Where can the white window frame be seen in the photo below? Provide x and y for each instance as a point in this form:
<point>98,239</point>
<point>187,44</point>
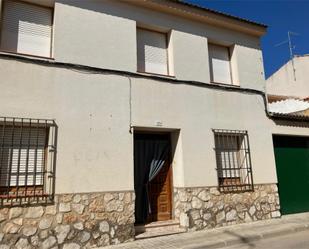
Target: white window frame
<point>166,50</point>
<point>2,6</point>
<point>211,70</point>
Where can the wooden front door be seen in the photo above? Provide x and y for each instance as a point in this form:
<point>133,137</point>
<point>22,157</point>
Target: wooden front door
<point>160,194</point>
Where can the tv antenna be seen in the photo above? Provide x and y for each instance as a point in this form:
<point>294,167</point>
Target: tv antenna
<point>291,48</point>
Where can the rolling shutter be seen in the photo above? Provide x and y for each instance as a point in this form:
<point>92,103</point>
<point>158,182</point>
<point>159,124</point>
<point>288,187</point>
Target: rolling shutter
<point>151,52</point>
<point>22,156</point>
<point>26,29</point>
<point>227,156</point>
<point>219,61</point>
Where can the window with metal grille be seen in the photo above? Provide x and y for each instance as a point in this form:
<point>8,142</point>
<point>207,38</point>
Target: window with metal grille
<point>27,160</point>
<point>233,160</point>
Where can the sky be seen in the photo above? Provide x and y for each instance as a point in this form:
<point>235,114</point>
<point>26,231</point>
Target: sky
<point>280,16</point>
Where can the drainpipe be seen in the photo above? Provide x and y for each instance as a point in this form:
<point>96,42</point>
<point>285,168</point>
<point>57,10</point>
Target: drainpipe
<point>130,105</point>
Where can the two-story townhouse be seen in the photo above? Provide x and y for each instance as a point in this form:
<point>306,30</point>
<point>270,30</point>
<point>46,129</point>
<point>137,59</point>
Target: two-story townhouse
<point>121,113</point>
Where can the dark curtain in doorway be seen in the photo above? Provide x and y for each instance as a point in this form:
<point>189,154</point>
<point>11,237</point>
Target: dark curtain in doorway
<point>150,154</point>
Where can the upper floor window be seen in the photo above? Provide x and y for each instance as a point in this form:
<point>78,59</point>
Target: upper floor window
<point>233,160</point>
<point>219,62</point>
<point>26,29</point>
<point>152,52</point>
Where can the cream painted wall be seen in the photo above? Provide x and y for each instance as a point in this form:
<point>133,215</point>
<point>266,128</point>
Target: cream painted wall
<point>95,150</point>
<point>250,67</point>
<point>196,111</point>
<point>92,112</point>
<point>282,82</point>
<point>194,64</point>
<point>89,37</point>
<point>234,65</point>
<point>95,147</point>
<point>103,34</point>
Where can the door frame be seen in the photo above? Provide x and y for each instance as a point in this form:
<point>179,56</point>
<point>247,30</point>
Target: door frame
<point>168,134</point>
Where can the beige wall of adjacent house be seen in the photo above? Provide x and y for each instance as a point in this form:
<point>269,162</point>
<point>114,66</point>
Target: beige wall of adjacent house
<point>282,82</point>
<point>103,34</point>
<point>290,128</point>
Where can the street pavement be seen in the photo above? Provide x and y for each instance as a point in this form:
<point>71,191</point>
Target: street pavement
<point>298,240</point>
<point>287,232</point>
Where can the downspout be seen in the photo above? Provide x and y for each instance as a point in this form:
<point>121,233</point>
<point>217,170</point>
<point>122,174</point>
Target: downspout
<point>130,105</point>
<point>266,102</point>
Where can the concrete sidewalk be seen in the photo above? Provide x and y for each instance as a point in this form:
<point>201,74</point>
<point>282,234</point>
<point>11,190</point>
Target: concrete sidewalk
<point>224,236</point>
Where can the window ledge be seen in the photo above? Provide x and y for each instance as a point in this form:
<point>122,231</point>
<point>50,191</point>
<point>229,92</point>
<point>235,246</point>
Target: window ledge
<point>27,56</point>
<point>156,74</point>
<point>224,84</point>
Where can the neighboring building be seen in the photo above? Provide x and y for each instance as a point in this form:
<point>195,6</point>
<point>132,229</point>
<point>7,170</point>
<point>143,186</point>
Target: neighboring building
<point>287,83</point>
<point>119,113</point>
<point>288,104</point>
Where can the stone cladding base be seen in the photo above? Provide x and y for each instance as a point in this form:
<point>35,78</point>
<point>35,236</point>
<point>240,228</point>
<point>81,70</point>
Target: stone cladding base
<point>92,220</point>
<point>74,221</point>
<point>205,207</point>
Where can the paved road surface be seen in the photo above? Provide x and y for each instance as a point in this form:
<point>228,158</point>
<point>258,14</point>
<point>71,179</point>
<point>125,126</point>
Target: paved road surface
<point>298,240</point>
<point>288,232</point>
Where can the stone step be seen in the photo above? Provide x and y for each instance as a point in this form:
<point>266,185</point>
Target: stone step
<point>168,224</point>
<point>159,228</point>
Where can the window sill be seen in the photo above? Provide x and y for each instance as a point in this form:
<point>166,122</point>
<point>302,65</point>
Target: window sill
<point>225,84</point>
<point>28,56</point>
<point>156,74</point>
<point>236,188</point>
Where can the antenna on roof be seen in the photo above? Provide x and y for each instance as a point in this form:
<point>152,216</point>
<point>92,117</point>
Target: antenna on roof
<point>291,48</point>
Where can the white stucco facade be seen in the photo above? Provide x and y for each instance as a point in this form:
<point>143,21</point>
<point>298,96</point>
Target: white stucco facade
<point>114,24</point>
<point>95,110</point>
<point>95,146</point>
<point>96,188</point>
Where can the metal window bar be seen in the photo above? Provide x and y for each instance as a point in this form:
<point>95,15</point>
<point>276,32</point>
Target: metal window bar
<point>233,160</point>
<point>35,158</point>
<point>27,161</point>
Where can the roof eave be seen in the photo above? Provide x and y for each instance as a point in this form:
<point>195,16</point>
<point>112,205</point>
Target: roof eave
<point>262,25</point>
<point>289,117</point>
<point>202,14</point>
